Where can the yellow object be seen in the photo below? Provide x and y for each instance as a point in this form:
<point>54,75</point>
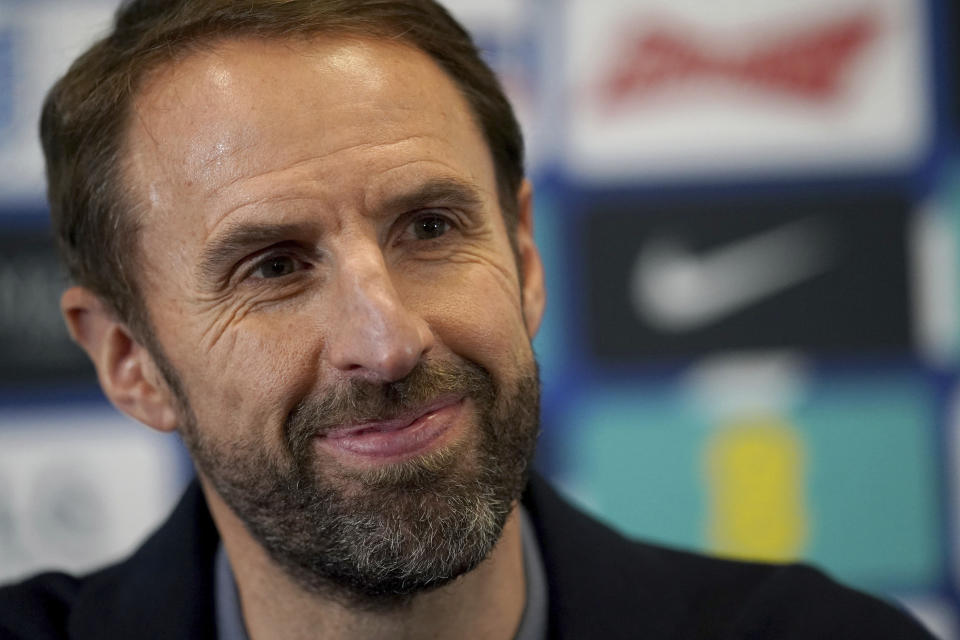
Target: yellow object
<point>756,486</point>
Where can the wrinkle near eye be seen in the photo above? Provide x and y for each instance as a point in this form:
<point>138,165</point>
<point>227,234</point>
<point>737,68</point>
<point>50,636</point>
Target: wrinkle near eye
<point>228,312</point>
<point>508,276</point>
<point>211,336</point>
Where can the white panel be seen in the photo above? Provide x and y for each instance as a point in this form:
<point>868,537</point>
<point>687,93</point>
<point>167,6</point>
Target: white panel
<point>669,88</point>
<point>42,39</point>
<point>79,487</point>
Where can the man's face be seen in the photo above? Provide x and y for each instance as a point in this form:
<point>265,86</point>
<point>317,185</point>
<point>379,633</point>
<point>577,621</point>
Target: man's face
<point>333,289</point>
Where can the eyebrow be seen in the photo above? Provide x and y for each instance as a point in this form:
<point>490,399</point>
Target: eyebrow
<point>449,192</point>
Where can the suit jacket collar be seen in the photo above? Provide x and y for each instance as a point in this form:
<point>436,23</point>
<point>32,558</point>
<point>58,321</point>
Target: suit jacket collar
<point>165,590</point>
<point>601,585</point>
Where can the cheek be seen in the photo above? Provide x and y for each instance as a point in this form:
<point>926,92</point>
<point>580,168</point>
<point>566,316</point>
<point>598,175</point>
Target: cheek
<point>481,319</point>
<point>249,381</point>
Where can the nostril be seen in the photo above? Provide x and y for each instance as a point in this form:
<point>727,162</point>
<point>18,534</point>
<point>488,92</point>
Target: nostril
<point>400,358</point>
<point>384,351</point>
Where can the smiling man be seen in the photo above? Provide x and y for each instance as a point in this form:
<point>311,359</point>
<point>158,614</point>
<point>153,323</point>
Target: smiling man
<point>302,239</point>
<point>345,342</point>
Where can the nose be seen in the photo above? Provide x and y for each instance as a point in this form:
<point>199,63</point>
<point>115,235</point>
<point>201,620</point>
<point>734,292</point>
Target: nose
<point>374,334</point>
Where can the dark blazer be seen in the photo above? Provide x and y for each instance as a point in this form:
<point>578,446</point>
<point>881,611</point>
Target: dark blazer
<point>601,585</point>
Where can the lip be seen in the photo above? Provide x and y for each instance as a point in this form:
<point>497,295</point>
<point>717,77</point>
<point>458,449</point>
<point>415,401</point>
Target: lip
<point>401,437</point>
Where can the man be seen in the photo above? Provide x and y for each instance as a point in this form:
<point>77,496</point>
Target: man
<point>302,239</point>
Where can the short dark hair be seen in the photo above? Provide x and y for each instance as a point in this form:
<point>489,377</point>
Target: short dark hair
<point>86,113</point>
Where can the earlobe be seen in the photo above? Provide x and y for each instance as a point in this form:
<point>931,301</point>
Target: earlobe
<point>531,266</point>
<point>126,370</point>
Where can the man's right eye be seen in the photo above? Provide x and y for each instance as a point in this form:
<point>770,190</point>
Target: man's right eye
<point>429,227</point>
<point>276,267</point>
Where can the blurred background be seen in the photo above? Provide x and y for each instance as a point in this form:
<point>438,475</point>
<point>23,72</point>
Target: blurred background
<point>749,212</point>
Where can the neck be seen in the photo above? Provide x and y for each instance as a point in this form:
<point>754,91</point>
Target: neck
<point>486,603</point>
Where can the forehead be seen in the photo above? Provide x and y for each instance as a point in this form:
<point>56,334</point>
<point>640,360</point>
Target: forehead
<point>245,113</point>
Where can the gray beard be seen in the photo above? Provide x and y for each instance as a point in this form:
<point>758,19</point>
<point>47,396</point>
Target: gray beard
<point>374,539</point>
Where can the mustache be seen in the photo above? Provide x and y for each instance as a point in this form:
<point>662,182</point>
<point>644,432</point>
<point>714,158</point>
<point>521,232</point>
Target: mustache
<point>355,401</point>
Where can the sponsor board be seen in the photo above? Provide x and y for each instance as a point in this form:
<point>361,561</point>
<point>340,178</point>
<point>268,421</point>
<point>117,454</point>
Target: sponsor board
<point>33,338</point>
<point>838,470</point>
<point>817,273</point>
<point>79,487</point>
<point>38,41</point>
<point>665,89</point>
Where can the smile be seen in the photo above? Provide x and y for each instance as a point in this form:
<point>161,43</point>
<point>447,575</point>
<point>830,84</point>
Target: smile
<point>401,437</point>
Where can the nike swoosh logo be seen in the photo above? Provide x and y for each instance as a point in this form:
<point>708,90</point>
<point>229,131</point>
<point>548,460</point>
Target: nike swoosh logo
<point>676,290</point>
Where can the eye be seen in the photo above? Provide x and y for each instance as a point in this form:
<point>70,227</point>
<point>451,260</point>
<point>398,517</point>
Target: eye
<point>276,267</point>
<point>430,226</point>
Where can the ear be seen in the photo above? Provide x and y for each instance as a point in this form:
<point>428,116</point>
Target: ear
<point>126,370</point>
<point>530,265</point>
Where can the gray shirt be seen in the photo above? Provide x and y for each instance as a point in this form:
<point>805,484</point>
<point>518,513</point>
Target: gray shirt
<point>533,623</point>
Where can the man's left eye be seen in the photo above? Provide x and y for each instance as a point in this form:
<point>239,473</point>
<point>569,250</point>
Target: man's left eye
<point>430,226</point>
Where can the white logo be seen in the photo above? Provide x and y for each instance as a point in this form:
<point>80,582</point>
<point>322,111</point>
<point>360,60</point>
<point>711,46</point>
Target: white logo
<point>675,290</point>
